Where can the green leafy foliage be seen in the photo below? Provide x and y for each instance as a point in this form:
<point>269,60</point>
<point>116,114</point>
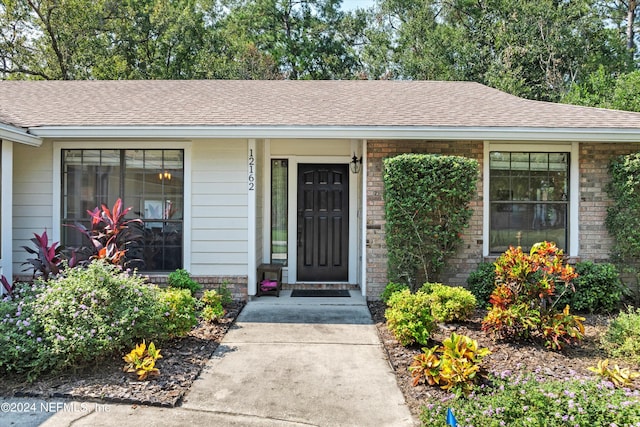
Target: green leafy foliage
<point>84,315</point>
<point>426,209</point>
<point>481,282</point>
<point>524,301</point>
<point>390,289</point>
<point>181,279</point>
<point>94,311</point>
<point>454,365</point>
<point>526,401</point>
<point>226,297</point>
<point>24,343</point>
<point>179,309</point>
<point>213,309</point>
<point>622,338</point>
<point>409,317</point>
<point>449,303</point>
<point>598,288</point>
<point>623,216</point>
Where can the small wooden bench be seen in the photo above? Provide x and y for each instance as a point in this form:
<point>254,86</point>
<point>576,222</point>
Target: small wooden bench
<point>271,273</point>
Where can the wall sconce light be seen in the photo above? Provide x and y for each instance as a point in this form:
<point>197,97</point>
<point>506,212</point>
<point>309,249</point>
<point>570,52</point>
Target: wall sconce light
<point>355,164</point>
<point>164,175</point>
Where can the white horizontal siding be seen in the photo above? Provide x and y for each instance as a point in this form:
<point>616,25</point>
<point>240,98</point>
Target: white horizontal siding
<point>32,197</point>
<point>219,208</point>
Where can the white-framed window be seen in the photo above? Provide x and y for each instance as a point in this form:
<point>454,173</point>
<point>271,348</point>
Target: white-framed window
<point>530,196</point>
<point>151,181</point>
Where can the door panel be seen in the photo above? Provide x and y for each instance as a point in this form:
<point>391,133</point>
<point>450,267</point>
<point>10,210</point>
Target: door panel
<point>323,222</point>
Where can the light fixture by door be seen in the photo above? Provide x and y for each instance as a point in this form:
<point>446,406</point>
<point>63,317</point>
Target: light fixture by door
<point>164,175</point>
<point>355,164</point>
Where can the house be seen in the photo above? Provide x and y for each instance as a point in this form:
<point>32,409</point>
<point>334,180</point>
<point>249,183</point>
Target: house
<point>228,175</point>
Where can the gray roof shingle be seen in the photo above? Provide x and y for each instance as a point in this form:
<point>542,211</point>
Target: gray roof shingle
<point>30,104</point>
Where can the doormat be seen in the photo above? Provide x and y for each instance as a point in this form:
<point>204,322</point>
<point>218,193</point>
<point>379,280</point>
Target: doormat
<point>320,293</point>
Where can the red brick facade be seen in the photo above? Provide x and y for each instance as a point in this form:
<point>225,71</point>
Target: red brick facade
<point>595,242</point>
<point>470,253</point>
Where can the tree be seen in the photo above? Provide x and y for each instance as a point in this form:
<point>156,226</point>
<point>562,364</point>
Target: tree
<point>309,39</point>
<point>48,39</point>
<point>533,48</point>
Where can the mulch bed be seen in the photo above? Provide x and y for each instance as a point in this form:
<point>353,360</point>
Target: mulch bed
<point>506,358</point>
<point>182,362</point>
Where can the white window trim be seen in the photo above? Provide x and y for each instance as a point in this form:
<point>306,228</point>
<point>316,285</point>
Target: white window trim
<point>58,146</point>
<point>574,186</point>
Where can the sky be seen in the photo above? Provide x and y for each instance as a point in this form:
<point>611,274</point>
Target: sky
<point>355,4</point>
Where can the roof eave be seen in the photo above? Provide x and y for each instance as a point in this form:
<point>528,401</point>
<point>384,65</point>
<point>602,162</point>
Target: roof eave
<point>15,134</point>
<point>341,132</point>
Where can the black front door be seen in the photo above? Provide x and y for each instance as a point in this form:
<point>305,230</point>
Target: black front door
<point>323,222</point>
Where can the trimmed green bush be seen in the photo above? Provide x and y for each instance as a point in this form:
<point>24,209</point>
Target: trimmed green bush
<point>598,289</point>
<point>449,303</point>
<point>179,309</point>
<point>181,279</point>
<point>390,289</point>
<point>426,199</point>
<point>409,317</point>
<point>482,282</point>
<point>622,338</point>
<point>213,310</point>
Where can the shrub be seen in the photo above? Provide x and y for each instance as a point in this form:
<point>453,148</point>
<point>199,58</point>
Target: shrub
<point>226,298</point>
<point>622,338</point>
<point>110,237</point>
<point>213,310</point>
<point>454,365</point>
<point>449,303</point>
<point>623,215</point>
<point>426,209</point>
<point>390,289</point>
<point>409,317</point>
<point>598,288</point>
<point>23,341</point>
<point>523,301</point>
<point>181,279</point>
<point>481,282</point>
<point>179,309</point>
<point>528,402</point>
<point>92,312</point>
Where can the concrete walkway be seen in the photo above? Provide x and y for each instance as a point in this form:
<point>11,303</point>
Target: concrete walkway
<point>286,362</point>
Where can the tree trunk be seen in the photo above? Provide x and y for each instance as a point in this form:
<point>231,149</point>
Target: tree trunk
<point>631,18</point>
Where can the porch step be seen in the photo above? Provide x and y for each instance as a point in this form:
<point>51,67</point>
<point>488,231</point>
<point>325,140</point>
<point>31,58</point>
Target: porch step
<point>316,286</point>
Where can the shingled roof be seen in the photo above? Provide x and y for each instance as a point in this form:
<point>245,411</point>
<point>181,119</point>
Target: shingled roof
<point>308,104</point>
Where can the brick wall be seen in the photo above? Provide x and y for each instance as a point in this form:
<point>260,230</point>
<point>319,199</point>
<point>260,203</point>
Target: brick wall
<point>470,252</point>
<point>595,242</point>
